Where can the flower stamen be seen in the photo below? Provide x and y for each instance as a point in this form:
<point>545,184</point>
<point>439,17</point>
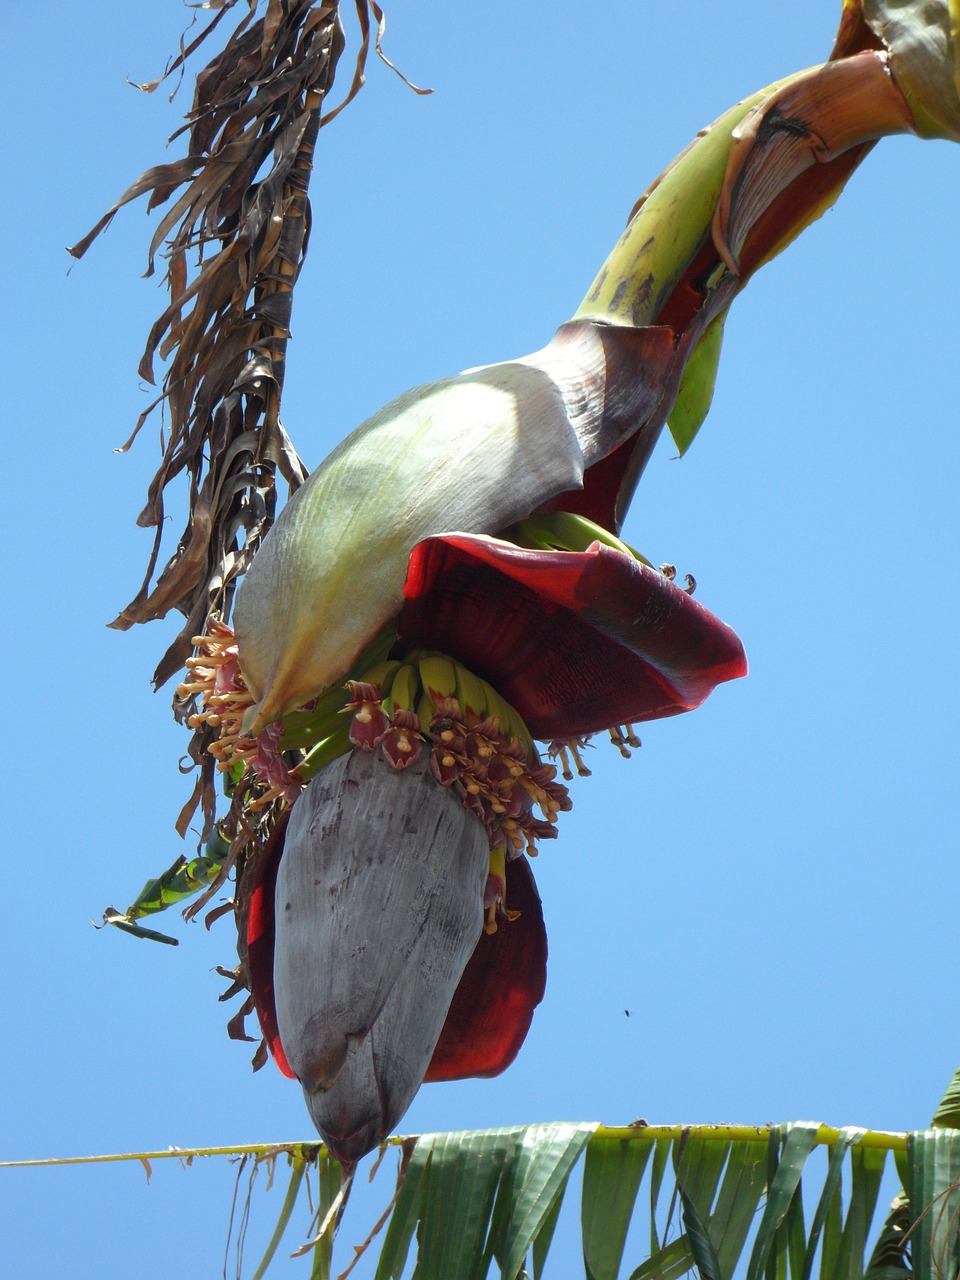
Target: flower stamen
<point>221,698</point>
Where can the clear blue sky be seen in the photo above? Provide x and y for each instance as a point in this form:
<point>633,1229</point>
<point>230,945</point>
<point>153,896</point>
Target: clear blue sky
<point>770,886</point>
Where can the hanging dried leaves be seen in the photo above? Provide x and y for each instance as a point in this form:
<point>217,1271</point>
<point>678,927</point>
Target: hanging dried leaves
<point>234,237</point>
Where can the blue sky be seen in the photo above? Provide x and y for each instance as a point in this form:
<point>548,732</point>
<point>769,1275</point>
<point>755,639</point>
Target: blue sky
<point>769,886</point>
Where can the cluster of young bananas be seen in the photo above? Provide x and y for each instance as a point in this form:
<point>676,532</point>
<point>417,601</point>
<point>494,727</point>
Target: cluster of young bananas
<point>426,680</point>
<point>479,746</point>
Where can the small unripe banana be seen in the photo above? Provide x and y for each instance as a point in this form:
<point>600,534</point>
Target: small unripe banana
<point>438,675</point>
<point>471,693</point>
<point>381,675</point>
<point>405,689</point>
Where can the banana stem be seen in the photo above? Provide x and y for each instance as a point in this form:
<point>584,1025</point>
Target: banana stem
<point>738,176</point>
<point>667,225</point>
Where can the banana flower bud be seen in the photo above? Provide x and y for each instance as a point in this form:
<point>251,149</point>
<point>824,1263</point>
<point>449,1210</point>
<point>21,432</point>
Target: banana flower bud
<point>376,910</point>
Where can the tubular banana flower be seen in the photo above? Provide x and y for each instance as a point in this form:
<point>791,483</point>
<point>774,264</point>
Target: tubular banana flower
<point>365,1035</point>
<point>450,584</point>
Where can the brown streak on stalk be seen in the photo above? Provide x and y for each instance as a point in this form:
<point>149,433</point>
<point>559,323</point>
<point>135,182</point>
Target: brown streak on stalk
<point>809,121</point>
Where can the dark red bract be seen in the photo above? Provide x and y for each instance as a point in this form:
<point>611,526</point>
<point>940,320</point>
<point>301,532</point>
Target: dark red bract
<point>503,983</point>
<point>576,641</point>
<point>261,938</point>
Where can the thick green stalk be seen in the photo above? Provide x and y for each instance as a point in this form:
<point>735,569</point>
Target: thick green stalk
<point>668,226</point>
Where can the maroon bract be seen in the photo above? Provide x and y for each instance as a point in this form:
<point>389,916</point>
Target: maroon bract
<point>576,641</point>
<point>261,937</point>
<point>503,983</point>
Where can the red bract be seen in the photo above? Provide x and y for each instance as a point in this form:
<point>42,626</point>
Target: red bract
<point>261,937</point>
<point>501,986</point>
<point>576,641</point>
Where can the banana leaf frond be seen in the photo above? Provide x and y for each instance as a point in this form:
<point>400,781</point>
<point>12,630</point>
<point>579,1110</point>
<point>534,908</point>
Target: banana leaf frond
<point>796,1201</point>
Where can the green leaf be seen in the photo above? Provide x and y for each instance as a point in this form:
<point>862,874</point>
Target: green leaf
<point>696,386</point>
<point>296,1178</point>
<point>867,1169</point>
<point>541,1245</point>
<point>698,1238</point>
<point>660,1156</point>
<point>832,1232</point>
<point>396,1244</point>
<point>673,1260</point>
<point>699,1163</point>
<point>547,1154</point>
<point>932,1187</point>
<point>947,1115</point>
<point>464,1174</point>
<point>829,1196</point>
<point>887,1262</point>
<point>797,1145</point>
<point>612,1175</point>
<point>740,1191</point>
<point>329,1177</point>
<point>794,1234</point>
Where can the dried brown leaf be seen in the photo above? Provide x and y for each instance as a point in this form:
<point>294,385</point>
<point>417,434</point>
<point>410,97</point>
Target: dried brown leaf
<point>233,237</point>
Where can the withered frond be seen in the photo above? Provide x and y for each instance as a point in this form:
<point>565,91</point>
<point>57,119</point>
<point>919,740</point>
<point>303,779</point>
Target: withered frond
<point>234,237</point>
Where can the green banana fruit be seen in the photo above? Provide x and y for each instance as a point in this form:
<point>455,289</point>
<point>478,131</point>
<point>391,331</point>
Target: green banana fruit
<point>438,674</point>
<point>404,691</point>
<point>472,693</point>
<point>381,675</point>
<point>511,724</point>
<point>565,531</point>
<point>302,730</point>
<point>425,711</point>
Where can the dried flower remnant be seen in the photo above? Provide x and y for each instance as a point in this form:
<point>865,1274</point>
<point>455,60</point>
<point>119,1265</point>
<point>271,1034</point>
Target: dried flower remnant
<point>217,688</point>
